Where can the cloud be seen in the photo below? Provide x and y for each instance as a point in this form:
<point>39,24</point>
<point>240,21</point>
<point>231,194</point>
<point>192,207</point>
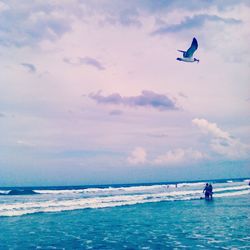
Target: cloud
<point>138,156</point>
<point>197,21</point>
<point>170,158</point>
<point>84,61</point>
<point>115,112</point>
<point>181,94</point>
<point>145,99</point>
<point>27,24</point>
<point>231,148</point>
<point>92,62</point>
<point>212,128</point>
<point>221,142</point>
<point>25,143</point>
<point>191,5</point>
<point>2,115</point>
<point>158,135</point>
<point>30,67</point>
<point>124,17</point>
<point>178,156</point>
<point>3,6</point>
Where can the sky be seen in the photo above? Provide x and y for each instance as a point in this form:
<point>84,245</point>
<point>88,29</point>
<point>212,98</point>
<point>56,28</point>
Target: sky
<point>91,91</point>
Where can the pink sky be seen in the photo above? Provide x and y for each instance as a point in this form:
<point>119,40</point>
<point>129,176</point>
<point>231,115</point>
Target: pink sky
<point>91,92</point>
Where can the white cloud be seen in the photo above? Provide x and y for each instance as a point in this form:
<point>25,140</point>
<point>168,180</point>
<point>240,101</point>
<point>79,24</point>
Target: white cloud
<point>138,156</point>
<point>208,127</point>
<point>222,143</point>
<point>25,143</point>
<point>231,148</point>
<point>3,6</point>
<point>178,156</point>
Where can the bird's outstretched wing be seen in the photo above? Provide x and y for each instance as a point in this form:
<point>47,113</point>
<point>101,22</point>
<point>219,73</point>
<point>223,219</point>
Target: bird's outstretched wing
<point>192,48</point>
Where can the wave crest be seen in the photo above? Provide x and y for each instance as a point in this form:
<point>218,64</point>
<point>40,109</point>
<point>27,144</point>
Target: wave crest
<point>68,202</point>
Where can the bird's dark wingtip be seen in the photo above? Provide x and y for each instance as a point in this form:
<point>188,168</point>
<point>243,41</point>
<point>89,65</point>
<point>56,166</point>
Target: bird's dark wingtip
<point>195,42</point>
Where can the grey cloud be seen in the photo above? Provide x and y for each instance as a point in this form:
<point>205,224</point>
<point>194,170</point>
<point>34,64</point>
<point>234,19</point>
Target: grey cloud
<point>168,5</point>
<point>84,61</point>
<point>124,17</point>
<point>158,135</point>
<point>115,112</point>
<point>137,6</point>
<point>92,62</point>
<point>145,99</point>
<point>193,22</point>
<point>28,23</point>
<point>129,17</point>
<point>30,67</point>
<point>181,94</point>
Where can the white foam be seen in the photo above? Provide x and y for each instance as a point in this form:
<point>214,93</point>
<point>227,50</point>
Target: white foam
<point>133,190</point>
<point>4,191</point>
<point>17,209</point>
<point>70,191</point>
<point>195,184</point>
<point>232,193</point>
<point>115,190</point>
<point>241,187</point>
<point>105,190</point>
<point>64,200</point>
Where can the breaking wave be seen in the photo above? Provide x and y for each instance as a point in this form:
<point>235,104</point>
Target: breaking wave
<point>73,199</point>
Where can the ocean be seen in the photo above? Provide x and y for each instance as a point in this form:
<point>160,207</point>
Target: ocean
<point>128,216</point>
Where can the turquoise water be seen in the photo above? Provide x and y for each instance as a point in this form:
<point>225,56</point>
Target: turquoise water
<point>181,224</point>
<point>221,224</point>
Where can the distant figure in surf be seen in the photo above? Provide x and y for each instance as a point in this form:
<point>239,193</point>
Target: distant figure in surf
<point>208,191</point>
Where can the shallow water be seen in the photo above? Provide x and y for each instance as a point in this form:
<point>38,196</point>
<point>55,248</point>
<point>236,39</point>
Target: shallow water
<point>182,224</point>
<point>195,224</point>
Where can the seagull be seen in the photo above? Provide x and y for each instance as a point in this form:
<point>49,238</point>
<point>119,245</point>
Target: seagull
<point>188,55</point>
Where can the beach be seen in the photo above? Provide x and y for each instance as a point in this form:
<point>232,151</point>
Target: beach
<point>184,222</point>
<point>124,125</point>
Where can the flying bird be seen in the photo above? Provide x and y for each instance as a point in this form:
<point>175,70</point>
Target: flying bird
<point>188,55</point>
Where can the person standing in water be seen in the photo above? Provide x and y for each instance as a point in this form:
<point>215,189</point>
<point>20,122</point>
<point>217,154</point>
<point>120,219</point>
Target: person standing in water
<point>206,190</point>
<point>210,190</point>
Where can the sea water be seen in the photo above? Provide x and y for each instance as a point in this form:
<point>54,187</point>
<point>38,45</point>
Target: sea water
<point>148,216</point>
